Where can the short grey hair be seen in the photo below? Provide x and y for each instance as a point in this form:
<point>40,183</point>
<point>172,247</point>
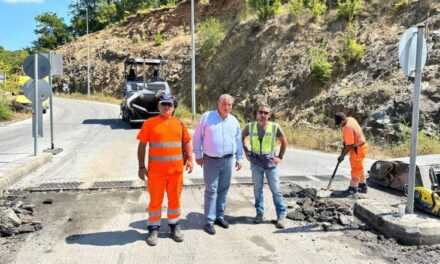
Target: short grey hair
<point>226,97</point>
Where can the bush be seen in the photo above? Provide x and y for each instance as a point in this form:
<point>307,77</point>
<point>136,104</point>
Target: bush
<point>5,109</point>
<point>318,8</point>
<point>400,4</point>
<point>158,40</point>
<point>211,33</point>
<point>320,66</point>
<point>352,50</point>
<point>296,7</point>
<point>348,9</point>
<point>265,8</point>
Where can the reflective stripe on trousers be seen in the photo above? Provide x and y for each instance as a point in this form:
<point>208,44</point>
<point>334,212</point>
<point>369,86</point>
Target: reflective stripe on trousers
<point>157,185</point>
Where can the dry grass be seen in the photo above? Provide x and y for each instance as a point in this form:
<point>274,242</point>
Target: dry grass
<point>329,140</point>
<point>99,97</point>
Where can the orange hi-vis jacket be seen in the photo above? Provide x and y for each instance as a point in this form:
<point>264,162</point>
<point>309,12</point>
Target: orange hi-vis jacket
<point>165,137</point>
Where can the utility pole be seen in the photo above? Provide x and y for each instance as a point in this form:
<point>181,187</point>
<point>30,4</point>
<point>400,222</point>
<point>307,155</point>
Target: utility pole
<point>88,49</point>
<point>193,64</point>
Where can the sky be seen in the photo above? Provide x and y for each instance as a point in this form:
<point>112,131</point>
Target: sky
<point>17,20</point>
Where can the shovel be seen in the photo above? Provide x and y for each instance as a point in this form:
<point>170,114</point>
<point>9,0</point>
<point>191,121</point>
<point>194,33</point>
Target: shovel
<point>333,176</point>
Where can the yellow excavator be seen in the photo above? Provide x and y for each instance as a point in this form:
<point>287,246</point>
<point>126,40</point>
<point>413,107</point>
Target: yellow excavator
<point>428,199</point>
<point>393,175</point>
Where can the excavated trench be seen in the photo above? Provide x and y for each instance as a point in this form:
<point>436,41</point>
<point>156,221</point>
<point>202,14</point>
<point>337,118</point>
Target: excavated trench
<point>329,214</point>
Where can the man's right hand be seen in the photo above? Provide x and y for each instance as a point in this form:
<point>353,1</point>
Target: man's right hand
<point>200,162</point>
<point>142,173</point>
<point>341,158</point>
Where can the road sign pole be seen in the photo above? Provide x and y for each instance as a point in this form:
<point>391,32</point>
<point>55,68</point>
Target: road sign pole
<point>35,107</point>
<point>193,64</point>
<point>51,101</point>
<point>415,121</point>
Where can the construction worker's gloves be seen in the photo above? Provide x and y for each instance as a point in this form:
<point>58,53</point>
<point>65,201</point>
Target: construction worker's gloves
<point>341,158</point>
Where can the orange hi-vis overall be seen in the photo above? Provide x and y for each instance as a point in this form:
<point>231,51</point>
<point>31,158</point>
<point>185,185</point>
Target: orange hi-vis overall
<point>165,137</point>
<point>352,134</point>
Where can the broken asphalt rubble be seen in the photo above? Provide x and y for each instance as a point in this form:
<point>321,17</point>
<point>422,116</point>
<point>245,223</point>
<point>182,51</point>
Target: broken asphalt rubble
<point>310,208</point>
<point>16,216</point>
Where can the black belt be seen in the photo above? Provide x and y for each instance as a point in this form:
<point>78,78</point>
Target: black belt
<point>222,157</point>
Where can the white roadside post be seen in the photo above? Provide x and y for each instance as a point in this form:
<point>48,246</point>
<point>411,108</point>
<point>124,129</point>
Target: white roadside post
<point>193,64</point>
<point>51,101</point>
<point>412,58</point>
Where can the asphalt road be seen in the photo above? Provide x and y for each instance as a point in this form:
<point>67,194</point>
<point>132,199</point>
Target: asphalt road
<point>110,227</point>
<point>98,147</point>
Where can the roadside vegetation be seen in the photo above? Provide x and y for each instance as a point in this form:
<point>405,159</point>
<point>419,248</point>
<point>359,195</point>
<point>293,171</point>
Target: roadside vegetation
<point>5,109</point>
<point>329,140</point>
<point>210,33</point>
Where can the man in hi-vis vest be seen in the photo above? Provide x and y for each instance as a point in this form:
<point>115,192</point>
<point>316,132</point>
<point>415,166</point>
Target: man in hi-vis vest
<point>169,151</point>
<point>260,151</point>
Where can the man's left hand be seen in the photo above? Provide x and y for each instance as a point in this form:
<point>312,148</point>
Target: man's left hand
<point>276,160</point>
<point>237,165</point>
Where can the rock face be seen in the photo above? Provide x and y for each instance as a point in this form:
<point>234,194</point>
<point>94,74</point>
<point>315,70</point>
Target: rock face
<point>271,62</point>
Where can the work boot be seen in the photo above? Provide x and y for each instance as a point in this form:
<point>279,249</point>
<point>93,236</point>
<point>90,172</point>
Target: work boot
<point>209,228</point>
<point>363,188</point>
<point>222,222</point>
<point>176,232</point>
<point>258,219</point>
<point>351,190</point>
<point>281,223</point>
<point>153,234</point>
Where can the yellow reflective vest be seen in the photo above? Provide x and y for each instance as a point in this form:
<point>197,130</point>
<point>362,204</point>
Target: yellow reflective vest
<point>267,144</point>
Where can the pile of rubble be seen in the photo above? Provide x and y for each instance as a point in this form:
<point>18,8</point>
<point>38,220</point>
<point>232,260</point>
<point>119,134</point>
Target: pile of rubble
<point>16,216</point>
<point>310,208</point>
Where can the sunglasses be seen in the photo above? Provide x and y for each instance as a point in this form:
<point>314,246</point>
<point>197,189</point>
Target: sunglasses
<point>263,112</point>
<point>167,104</point>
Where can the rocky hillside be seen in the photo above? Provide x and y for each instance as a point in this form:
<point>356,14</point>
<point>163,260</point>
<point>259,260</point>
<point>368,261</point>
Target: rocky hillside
<point>271,61</point>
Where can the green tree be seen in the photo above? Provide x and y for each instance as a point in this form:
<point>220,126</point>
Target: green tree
<point>51,31</point>
<point>106,13</point>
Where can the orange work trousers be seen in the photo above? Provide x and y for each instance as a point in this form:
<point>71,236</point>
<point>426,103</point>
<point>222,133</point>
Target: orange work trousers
<point>157,185</point>
<point>357,165</point>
